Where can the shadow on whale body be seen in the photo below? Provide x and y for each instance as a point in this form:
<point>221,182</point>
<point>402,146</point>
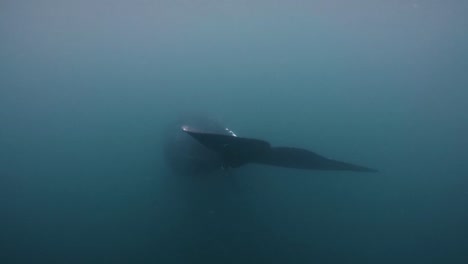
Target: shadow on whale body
<point>201,146</point>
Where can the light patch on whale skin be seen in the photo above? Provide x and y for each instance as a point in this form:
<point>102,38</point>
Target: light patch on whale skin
<point>230,132</point>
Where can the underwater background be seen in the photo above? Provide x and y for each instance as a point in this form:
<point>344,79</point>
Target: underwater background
<point>88,87</point>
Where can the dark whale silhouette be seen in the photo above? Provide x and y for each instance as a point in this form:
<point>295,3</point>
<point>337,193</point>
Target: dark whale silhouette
<point>201,145</point>
<point>218,218</point>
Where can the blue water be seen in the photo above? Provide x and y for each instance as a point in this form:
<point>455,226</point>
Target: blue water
<point>87,88</point>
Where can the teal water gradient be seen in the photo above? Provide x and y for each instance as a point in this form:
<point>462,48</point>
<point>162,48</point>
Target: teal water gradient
<point>87,87</point>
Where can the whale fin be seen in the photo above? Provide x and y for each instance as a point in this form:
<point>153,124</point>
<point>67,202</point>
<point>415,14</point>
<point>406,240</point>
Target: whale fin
<point>304,159</point>
<point>237,151</point>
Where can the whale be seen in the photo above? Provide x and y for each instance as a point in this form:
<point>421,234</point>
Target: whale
<point>201,145</point>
